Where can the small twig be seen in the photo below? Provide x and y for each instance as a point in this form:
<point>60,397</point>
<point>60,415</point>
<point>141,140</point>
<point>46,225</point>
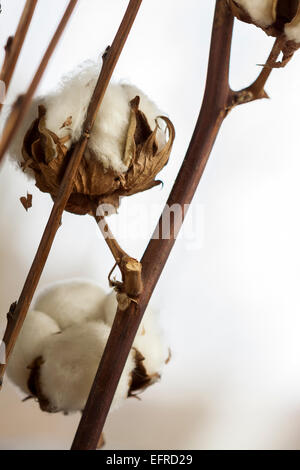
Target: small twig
<point>65,189</point>
<point>214,109</point>
<point>14,44</point>
<point>117,252</point>
<point>256,90</point>
<point>22,103</point>
<point>131,269</point>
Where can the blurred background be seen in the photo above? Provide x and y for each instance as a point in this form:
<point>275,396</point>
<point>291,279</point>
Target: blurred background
<point>229,298</point>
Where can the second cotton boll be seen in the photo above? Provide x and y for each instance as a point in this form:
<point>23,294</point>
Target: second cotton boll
<point>278,18</point>
<point>62,340</point>
<point>129,143</point>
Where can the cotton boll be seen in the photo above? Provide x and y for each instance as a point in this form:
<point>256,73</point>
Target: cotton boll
<point>71,302</point>
<point>128,145</point>
<point>29,346</point>
<point>66,111</point>
<point>61,343</point>
<point>70,362</point>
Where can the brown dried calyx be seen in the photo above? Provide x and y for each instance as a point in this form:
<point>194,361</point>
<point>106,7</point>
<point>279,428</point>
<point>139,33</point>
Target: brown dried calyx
<point>47,156</point>
<point>280,13</point>
<point>140,379</point>
<point>35,387</point>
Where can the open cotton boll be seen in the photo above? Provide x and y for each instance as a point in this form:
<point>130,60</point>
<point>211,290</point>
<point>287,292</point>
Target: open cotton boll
<point>71,302</point>
<point>29,346</point>
<point>61,343</point>
<point>261,11</point>
<point>128,145</point>
<point>278,18</point>
<point>70,362</point>
<point>66,110</point>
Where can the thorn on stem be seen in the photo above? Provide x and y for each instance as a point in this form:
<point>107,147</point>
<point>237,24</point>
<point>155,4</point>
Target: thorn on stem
<point>105,52</point>
<point>8,44</point>
<point>11,311</point>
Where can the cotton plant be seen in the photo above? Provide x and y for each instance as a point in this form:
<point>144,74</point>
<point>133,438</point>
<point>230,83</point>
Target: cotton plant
<point>61,343</point>
<point>121,155</point>
<point>65,333</point>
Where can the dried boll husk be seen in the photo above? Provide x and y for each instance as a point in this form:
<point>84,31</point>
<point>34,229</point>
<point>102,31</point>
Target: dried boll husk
<point>47,155</point>
<point>278,18</point>
<point>58,351</point>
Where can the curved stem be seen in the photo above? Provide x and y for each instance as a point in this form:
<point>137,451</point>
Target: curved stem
<point>131,269</point>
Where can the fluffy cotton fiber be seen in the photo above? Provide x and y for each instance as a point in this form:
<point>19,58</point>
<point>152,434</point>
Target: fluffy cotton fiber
<point>148,338</point>
<point>67,332</point>
<point>66,110</point>
<point>261,11</point>
<point>292,30</point>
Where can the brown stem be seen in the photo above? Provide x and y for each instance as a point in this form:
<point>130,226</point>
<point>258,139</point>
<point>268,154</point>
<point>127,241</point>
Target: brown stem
<point>14,44</point>
<point>126,323</point>
<point>117,252</point>
<point>109,62</point>
<point>22,103</point>
<point>131,269</point>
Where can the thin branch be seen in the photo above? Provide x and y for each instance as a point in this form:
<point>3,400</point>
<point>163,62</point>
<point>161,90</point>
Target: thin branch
<point>117,252</point>
<point>22,103</point>
<point>256,90</point>
<point>14,44</point>
<point>109,62</point>
<point>216,103</point>
<point>131,269</point>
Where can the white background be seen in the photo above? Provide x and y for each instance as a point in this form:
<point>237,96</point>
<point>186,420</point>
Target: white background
<point>230,307</point>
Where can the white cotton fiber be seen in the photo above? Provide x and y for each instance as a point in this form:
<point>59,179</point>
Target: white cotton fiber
<point>70,364</point>
<point>292,30</point>
<point>71,302</point>
<point>29,346</point>
<point>68,104</point>
<point>149,338</point>
<point>261,11</point>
